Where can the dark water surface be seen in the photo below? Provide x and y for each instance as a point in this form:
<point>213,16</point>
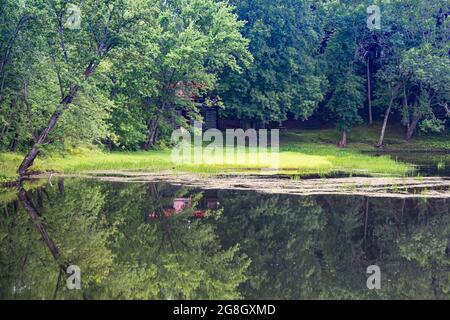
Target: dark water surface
<point>427,163</point>
<point>158,241</point>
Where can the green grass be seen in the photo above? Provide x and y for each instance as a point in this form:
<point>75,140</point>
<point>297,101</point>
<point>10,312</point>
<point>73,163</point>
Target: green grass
<point>350,161</point>
<point>304,160</point>
<point>365,137</point>
<point>302,152</point>
<point>9,162</point>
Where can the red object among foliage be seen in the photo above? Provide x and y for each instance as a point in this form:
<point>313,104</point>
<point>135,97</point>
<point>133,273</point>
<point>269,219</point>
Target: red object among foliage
<point>179,204</point>
<point>167,213</point>
<point>200,214</point>
<point>186,89</point>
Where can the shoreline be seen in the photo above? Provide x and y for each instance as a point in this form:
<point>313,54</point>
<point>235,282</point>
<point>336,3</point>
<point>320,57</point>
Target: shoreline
<point>397,187</point>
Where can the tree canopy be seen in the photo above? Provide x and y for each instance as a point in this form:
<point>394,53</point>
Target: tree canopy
<point>122,74</point>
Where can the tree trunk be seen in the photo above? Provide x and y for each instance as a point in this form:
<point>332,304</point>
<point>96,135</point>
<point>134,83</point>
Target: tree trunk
<point>109,144</point>
<point>343,142</point>
<point>73,90</point>
<point>29,108</point>
<point>406,107</point>
<point>4,131</point>
<point>61,189</point>
<point>40,198</point>
<point>9,48</point>
<point>14,143</point>
<point>412,127</point>
<point>385,121</point>
<point>152,134</point>
<point>35,217</point>
<point>369,92</point>
<point>33,153</point>
<point>446,108</point>
<point>11,118</point>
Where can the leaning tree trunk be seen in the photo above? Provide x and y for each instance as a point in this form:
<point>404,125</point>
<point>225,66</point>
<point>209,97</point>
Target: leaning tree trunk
<point>343,142</point>
<point>35,217</point>
<point>27,162</point>
<point>33,153</point>
<point>385,121</point>
<point>412,127</point>
<point>152,134</point>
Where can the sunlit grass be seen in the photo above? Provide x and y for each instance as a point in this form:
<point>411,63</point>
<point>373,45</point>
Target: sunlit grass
<point>9,162</point>
<point>307,159</point>
<point>302,152</point>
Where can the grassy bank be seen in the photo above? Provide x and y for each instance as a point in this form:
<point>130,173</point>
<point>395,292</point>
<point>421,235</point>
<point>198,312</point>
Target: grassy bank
<point>364,138</point>
<point>302,152</point>
<point>308,159</point>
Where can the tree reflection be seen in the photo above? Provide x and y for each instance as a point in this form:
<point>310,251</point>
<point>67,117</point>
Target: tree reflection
<point>320,247</point>
<point>158,241</point>
<point>121,252</point>
<point>71,232</point>
<point>188,259</point>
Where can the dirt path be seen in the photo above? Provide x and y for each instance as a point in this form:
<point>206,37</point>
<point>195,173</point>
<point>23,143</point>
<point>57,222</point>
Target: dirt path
<point>407,187</point>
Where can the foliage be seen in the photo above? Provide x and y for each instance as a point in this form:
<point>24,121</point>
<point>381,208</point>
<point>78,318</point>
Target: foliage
<point>135,70</point>
<point>284,78</point>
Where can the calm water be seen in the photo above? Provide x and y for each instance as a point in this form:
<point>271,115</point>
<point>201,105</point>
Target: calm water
<point>157,241</point>
<point>428,163</point>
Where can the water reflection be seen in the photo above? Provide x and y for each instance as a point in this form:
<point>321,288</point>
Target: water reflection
<point>427,163</point>
<point>158,241</point>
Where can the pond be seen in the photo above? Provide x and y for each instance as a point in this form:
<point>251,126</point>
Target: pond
<point>146,240</point>
<point>435,163</point>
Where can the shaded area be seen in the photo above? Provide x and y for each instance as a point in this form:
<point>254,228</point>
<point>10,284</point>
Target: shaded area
<point>428,163</point>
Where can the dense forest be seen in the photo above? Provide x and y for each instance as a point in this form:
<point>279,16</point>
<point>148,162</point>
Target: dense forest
<point>91,92</point>
<point>122,73</point>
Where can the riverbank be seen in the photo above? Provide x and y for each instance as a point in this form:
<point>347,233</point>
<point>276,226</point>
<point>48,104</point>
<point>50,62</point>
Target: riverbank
<point>303,161</point>
<point>375,187</point>
<point>302,153</point>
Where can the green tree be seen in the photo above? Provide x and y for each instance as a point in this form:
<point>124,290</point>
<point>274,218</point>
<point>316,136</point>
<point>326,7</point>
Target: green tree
<point>166,67</point>
<point>415,64</point>
<point>75,53</point>
<point>284,78</point>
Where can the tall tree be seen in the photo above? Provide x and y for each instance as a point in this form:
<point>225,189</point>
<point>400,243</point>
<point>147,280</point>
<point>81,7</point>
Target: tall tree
<point>76,49</point>
<point>163,72</point>
<point>345,94</point>
<point>284,78</point>
<point>416,64</point>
